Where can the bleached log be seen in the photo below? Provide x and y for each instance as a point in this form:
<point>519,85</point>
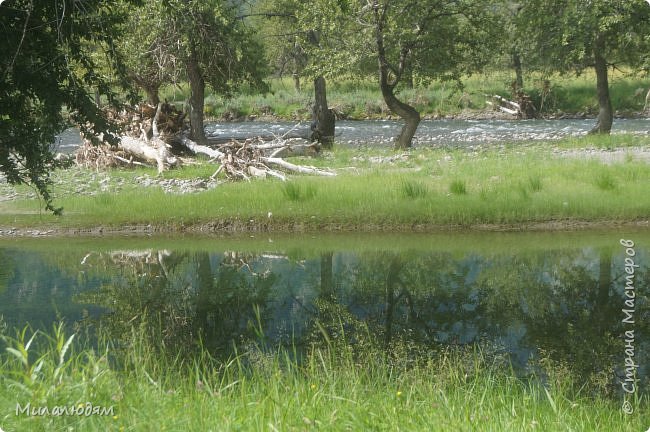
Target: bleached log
<point>297,168</point>
<point>276,174</point>
<point>129,161</point>
<point>216,173</point>
<point>508,102</point>
<point>282,142</point>
<point>508,110</point>
<point>154,122</point>
<point>200,149</point>
<point>153,151</point>
<point>295,150</point>
<point>256,172</point>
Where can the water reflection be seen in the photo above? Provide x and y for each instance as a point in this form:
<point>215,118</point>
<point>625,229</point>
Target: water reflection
<point>560,306</point>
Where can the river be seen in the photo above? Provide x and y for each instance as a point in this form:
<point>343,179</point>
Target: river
<point>430,132</point>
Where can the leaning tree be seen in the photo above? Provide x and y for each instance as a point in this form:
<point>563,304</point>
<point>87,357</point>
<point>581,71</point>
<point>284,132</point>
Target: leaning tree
<point>432,39</point>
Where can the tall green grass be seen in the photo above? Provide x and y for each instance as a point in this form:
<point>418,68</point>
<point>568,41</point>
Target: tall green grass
<point>333,387</point>
<point>511,185</point>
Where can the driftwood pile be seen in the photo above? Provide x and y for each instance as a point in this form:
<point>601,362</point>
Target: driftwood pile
<point>154,136</point>
<point>141,141</point>
<point>523,108</point>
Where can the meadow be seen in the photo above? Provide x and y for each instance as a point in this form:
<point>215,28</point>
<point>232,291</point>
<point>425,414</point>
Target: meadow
<point>516,184</point>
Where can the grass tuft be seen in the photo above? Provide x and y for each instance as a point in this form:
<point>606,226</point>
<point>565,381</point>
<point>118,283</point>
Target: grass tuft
<point>413,189</point>
<point>458,187</point>
<point>298,192</point>
<point>605,181</point>
<point>535,183</point>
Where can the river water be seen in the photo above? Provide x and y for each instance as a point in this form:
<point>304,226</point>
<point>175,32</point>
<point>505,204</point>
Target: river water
<point>429,133</point>
<point>519,295</point>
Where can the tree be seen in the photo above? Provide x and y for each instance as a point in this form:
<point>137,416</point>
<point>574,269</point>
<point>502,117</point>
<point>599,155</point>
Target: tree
<point>215,47</point>
<point>285,36</point>
<point>576,35</point>
<point>433,39</point>
<point>45,65</point>
<point>147,49</point>
<point>282,36</point>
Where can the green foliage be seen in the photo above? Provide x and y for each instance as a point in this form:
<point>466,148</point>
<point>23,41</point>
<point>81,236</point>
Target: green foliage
<point>535,183</point>
<point>334,387</point>
<point>433,40</point>
<point>370,195</point>
<point>282,36</point>
<point>561,35</point>
<point>147,47</point>
<point>227,53</point>
<point>46,64</point>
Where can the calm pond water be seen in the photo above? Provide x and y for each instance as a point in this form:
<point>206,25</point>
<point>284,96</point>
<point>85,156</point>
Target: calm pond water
<point>524,296</point>
<point>429,133</point>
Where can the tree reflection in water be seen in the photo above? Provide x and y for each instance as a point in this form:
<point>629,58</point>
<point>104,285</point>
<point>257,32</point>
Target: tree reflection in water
<point>545,311</point>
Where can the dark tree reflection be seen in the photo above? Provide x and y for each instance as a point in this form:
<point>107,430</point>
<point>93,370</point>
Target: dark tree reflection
<point>549,310</point>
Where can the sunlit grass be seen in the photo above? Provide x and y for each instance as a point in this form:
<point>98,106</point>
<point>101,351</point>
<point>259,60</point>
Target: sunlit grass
<point>434,187</point>
<point>334,388</point>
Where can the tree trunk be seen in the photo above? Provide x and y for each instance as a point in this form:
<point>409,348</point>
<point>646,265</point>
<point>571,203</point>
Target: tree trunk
<point>150,88</point>
<point>197,87</point>
<point>605,114</point>
<point>98,98</point>
<point>152,95</point>
<point>326,276</point>
<point>296,81</point>
<point>408,113</point>
<point>604,279</point>
<point>519,75</point>
<point>324,122</point>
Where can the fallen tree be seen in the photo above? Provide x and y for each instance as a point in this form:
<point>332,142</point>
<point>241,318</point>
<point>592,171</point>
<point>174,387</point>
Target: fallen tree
<point>151,135</point>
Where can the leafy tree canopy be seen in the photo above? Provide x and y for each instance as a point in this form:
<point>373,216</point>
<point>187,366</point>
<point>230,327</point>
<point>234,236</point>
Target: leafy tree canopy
<point>563,35</point>
<point>45,66</point>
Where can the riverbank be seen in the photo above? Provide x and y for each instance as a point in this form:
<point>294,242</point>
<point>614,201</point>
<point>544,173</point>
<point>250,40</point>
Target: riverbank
<point>570,184</point>
<point>463,114</point>
<point>553,96</point>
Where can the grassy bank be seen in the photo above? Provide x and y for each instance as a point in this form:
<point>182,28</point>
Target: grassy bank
<point>332,388</point>
<point>362,99</point>
<point>376,189</point>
